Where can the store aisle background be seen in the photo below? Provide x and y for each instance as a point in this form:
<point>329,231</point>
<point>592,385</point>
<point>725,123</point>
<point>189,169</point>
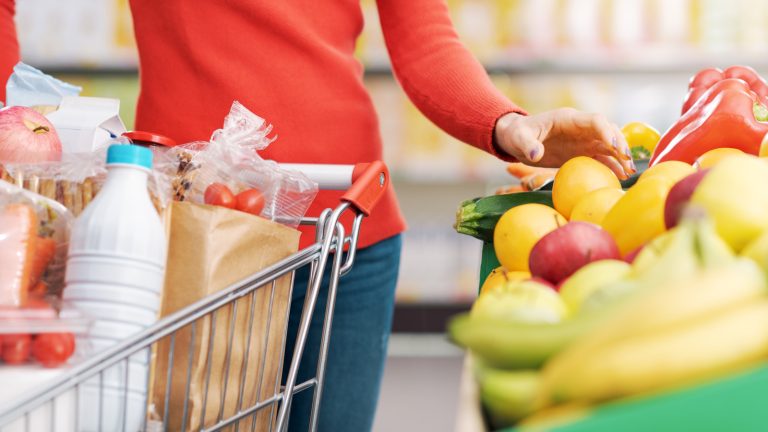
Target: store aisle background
<point>420,391</point>
<point>628,59</point>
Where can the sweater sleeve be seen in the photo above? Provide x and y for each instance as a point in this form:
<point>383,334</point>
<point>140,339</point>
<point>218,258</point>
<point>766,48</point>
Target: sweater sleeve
<point>9,46</point>
<point>439,74</point>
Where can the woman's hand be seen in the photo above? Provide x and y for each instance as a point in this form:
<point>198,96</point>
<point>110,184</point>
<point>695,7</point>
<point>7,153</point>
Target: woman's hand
<point>551,138</point>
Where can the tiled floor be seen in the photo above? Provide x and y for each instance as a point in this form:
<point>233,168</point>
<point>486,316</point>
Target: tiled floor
<point>421,385</point>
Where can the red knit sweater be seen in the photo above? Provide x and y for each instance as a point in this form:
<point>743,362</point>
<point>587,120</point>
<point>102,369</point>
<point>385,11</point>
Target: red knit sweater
<point>292,62</point>
<point>9,48</point>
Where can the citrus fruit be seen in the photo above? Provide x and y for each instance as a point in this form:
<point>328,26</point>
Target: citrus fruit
<point>519,229</point>
<point>593,206</point>
<point>672,170</point>
<point>576,178</point>
<point>714,156</point>
<point>638,216</point>
<point>641,138</point>
<point>499,276</point>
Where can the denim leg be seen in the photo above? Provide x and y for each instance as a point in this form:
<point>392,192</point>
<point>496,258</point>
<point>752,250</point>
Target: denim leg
<point>361,324</point>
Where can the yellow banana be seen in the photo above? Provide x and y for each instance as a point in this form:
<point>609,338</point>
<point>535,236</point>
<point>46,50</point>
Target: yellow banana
<point>697,350</point>
<point>652,310</point>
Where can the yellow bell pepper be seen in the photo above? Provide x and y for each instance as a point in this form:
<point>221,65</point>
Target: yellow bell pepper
<point>638,216</point>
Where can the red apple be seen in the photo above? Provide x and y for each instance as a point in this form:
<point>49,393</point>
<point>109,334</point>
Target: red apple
<point>563,251</point>
<point>27,136</point>
<point>679,196</point>
<point>544,282</point>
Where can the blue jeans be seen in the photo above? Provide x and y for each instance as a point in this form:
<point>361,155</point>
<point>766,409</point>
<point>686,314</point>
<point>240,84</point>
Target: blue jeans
<point>358,346</point>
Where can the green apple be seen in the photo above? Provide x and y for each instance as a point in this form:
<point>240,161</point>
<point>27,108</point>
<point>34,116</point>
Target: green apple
<point>735,196</point>
<point>609,295</point>
<point>527,301</point>
<point>591,278</point>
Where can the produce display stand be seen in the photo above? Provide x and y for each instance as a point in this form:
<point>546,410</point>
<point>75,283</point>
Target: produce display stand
<point>736,403</point>
<point>733,403</point>
<point>364,185</point>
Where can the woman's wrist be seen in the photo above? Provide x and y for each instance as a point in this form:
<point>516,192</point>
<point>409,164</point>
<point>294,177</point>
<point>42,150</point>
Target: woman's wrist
<point>504,124</point>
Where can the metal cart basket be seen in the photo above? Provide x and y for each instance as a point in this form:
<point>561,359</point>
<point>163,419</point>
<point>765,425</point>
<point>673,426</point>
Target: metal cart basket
<point>44,408</point>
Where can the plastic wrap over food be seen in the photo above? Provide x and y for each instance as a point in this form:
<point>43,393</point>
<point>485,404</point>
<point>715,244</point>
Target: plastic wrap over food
<point>229,172</point>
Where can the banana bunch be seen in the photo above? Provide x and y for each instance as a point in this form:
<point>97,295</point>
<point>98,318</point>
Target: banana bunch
<point>688,310</point>
<point>508,395</point>
<point>666,337</point>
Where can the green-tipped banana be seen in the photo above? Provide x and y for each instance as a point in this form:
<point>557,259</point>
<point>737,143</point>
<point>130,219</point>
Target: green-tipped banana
<point>653,311</point>
<point>685,354</point>
<point>508,395</point>
<point>511,345</point>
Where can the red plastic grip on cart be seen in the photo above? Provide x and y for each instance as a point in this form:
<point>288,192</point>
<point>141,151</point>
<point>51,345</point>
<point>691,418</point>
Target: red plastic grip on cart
<point>141,137</point>
<point>369,181</point>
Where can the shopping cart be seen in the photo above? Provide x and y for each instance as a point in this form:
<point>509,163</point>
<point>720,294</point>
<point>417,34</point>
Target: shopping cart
<point>43,408</point>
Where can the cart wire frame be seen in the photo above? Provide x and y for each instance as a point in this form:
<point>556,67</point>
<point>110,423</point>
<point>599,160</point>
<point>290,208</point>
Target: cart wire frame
<point>368,183</point>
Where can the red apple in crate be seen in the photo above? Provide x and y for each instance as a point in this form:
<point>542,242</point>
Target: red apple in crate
<point>27,136</point>
<point>544,282</point>
<point>560,253</point>
<point>679,196</point>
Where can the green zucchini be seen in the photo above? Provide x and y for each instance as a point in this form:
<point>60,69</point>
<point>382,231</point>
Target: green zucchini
<point>478,217</point>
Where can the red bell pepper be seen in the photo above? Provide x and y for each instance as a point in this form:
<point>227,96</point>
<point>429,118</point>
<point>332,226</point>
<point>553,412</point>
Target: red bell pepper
<point>706,78</point>
<point>728,114</point>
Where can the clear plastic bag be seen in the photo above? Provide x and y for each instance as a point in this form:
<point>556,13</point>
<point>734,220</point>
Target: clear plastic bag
<point>231,159</point>
<point>77,178</point>
<point>34,236</point>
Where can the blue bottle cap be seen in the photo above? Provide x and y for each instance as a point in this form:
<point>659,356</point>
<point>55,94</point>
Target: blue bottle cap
<point>129,154</point>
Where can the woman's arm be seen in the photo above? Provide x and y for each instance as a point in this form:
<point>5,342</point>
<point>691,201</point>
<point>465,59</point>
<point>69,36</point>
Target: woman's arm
<point>451,88</point>
<point>9,46</point>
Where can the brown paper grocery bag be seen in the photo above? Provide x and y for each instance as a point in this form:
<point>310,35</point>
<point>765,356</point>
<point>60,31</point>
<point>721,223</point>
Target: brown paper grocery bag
<point>211,248</point>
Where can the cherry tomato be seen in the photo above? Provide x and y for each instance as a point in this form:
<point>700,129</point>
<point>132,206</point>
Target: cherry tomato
<point>16,348</point>
<point>53,349</point>
<point>250,201</point>
<point>219,195</point>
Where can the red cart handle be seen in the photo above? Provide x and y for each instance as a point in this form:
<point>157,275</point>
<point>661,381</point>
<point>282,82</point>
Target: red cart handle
<point>364,183</point>
<point>369,181</point>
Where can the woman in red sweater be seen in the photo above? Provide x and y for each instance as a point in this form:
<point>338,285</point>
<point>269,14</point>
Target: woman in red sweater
<point>292,62</point>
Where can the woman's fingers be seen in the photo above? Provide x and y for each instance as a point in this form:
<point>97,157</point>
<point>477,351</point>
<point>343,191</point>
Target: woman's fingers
<point>613,164</point>
<point>627,163</point>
